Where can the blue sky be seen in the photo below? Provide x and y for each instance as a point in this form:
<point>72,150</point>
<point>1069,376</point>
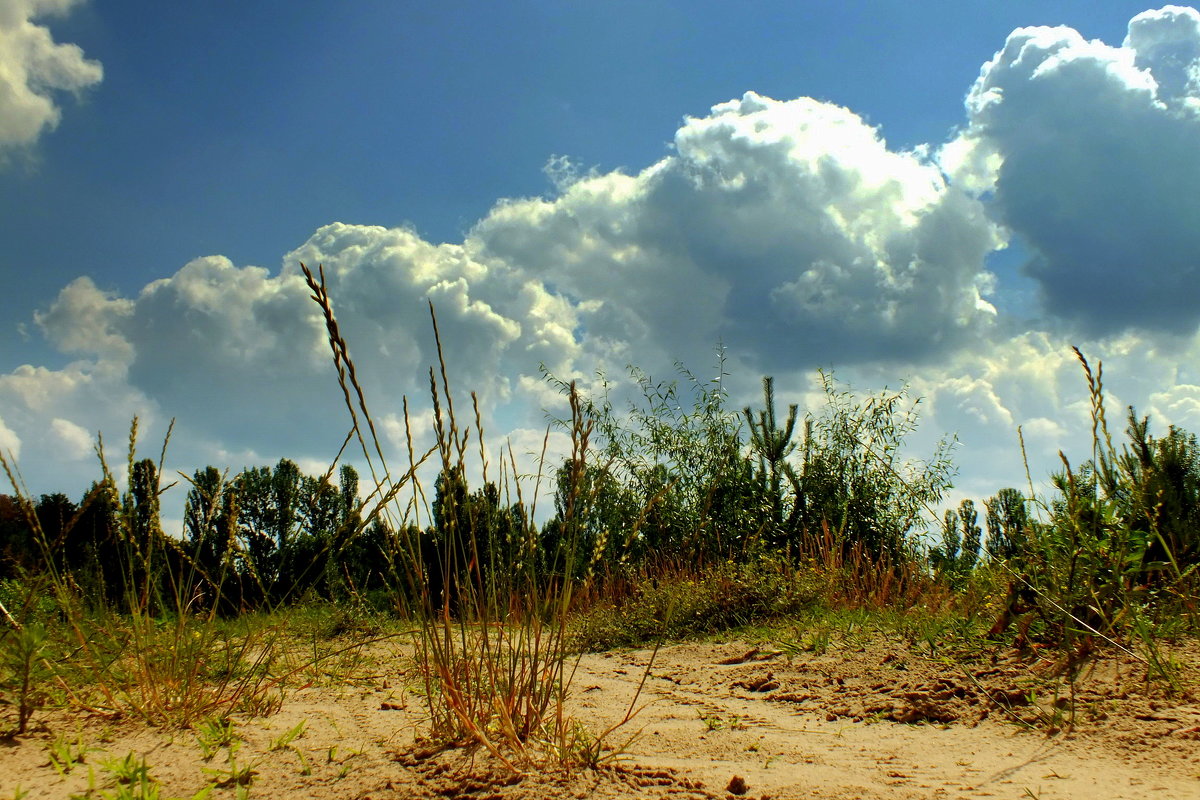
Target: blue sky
<point>239,128</point>
<point>857,185</point>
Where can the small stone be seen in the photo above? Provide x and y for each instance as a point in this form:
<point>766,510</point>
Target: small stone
<point>737,785</point>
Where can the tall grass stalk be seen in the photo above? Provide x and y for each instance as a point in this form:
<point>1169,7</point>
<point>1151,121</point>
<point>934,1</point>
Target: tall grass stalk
<point>492,642</point>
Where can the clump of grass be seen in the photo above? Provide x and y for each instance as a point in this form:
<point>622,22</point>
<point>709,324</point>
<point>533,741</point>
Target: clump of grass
<point>66,754</point>
<point>675,602</point>
<point>134,782</point>
<point>149,649</point>
<point>492,644</point>
<point>214,734</point>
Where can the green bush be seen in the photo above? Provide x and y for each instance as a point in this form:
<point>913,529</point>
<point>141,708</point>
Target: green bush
<point>681,604</point>
<point>1119,547</point>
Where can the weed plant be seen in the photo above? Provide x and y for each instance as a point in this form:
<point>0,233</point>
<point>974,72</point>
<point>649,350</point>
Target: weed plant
<point>705,485</point>
<point>1117,553</point>
<point>146,647</point>
<point>673,602</point>
<point>492,642</point>
<point>1110,559</point>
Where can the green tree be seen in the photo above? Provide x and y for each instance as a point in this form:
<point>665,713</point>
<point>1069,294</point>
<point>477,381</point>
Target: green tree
<point>144,490</point>
<point>971,533</point>
<point>677,460</point>
<point>945,556</point>
<point>256,527</point>
<point>56,514</point>
<point>596,525</point>
<point>18,549</point>
<point>306,555</point>
<point>208,529</point>
<point>350,522</point>
<point>471,553</point>
<point>854,478</point>
<point>286,488</point>
<point>148,568</point>
<point>99,556</point>
<point>1008,524</point>
<point>1161,479</point>
<point>445,546</point>
<point>772,445</point>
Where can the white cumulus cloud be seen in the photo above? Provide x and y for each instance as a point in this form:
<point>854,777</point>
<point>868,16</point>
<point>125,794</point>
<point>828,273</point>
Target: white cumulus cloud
<point>71,441</point>
<point>85,320</point>
<point>54,415</point>
<point>1090,150</point>
<point>10,443</point>
<point>33,68</point>
<point>787,229</point>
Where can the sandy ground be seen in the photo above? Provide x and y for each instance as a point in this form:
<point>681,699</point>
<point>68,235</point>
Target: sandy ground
<point>867,720</point>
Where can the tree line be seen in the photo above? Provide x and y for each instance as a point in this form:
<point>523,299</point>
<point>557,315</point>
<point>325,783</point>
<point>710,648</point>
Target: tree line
<point>267,536</point>
<point>668,481</point>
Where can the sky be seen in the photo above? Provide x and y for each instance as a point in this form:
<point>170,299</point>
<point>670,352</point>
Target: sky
<point>943,195</point>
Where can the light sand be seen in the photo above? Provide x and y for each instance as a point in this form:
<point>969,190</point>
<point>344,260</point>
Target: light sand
<point>874,720</point>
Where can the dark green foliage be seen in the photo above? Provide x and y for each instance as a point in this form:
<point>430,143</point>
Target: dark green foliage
<point>150,567</point>
<point>79,539</point>
<point>474,544</point>
<point>272,535</point>
<point>256,519</point>
<point>667,481</point>
<point>18,548</point>
<point>285,492</point>
<point>1161,478</point>
<point>689,485</point>
<point>96,556</point>
<point>306,554</point>
<point>55,513</point>
<point>1008,524</point>
<point>1133,515</point>
<point>144,490</point>
<point>365,570</point>
<point>771,446</point>
<point>1121,538</point>
<point>205,531</point>
<point>351,514</point>
<point>596,523</point>
<point>293,533</point>
<point>971,533</point>
<point>277,560</point>
<point>853,477</point>
<point>951,540</point>
<point>109,552</point>
<point>959,551</point>
<point>444,553</point>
